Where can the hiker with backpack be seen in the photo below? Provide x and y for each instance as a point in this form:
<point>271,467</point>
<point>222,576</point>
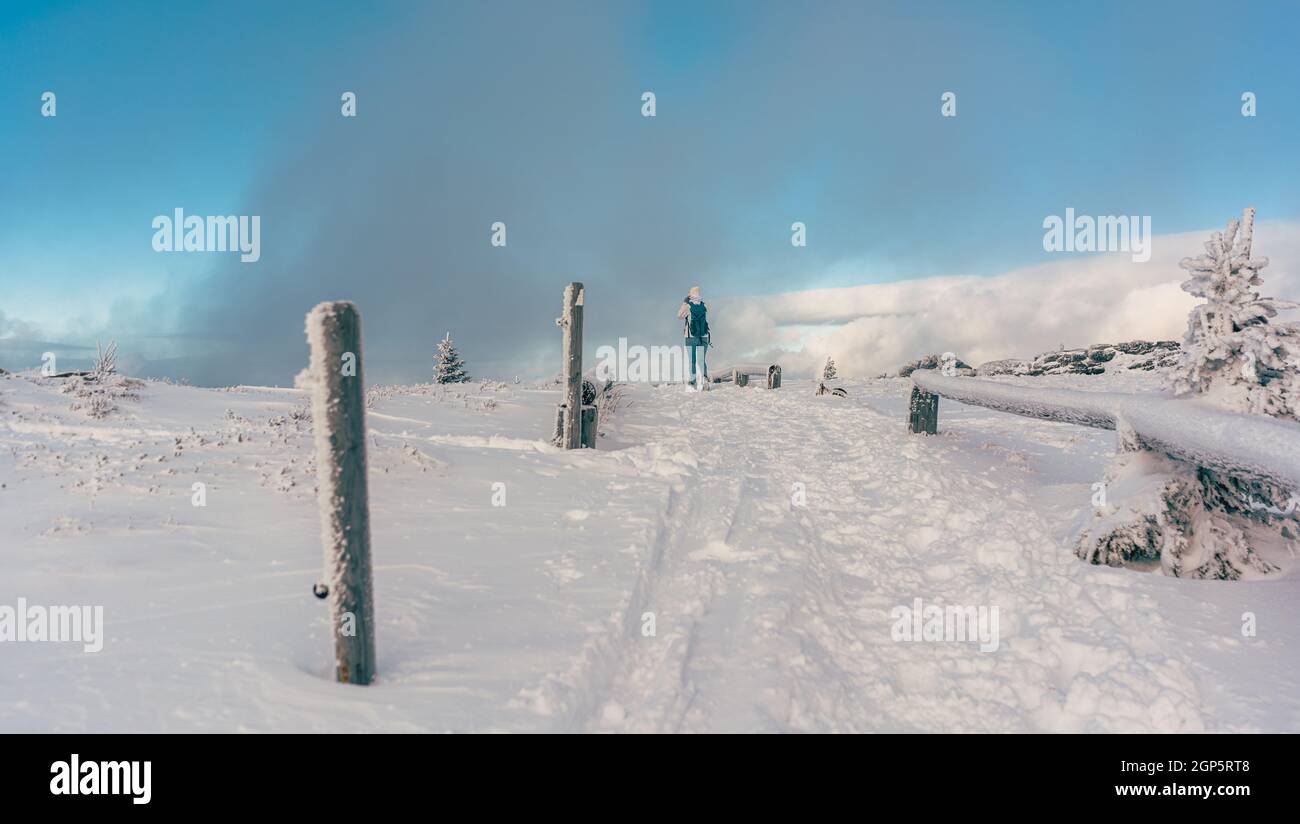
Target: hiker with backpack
<point>694,315</point>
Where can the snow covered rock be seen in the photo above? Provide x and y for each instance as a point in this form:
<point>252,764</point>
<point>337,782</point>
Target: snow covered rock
<point>1094,360</point>
<point>1006,366</point>
<point>934,362</point>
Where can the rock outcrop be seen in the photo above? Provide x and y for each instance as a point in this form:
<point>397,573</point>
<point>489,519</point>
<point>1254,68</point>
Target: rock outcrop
<point>1094,360</point>
<point>934,362</point>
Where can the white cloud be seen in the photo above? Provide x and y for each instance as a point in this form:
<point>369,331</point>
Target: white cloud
<point>1076,301</point>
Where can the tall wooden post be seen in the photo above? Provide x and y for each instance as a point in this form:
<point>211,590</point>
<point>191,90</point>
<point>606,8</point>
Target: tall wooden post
<point>338,411</point>
<point>571,323</point>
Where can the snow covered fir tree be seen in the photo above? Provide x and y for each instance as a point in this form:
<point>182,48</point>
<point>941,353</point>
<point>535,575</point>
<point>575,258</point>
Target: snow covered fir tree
<point>447,364</point>
<point>1196,522</point>
<point>828,371</point>
<point>1233,353</point>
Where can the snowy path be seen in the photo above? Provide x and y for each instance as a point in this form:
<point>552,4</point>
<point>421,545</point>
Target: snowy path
<point>772,616</point>
<point>769,613</point>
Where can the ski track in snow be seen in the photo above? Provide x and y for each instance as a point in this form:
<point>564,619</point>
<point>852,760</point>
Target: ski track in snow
<point>777,617</point>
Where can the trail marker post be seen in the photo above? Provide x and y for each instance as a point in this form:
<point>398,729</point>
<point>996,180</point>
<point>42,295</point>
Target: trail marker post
<point>338,411</point>
<point>570,322</point>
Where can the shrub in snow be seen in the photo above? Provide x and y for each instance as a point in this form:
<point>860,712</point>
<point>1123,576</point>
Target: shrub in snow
<point>609,400</point>
<point>1196,522</point>
<point>448,366</point>
<point>98,397</point>
<point>1155,513</point>
<point>96,392</point>
<point>105,360</point>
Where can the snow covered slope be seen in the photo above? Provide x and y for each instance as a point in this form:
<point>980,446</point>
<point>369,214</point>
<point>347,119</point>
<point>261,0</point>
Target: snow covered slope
<point>769,536</point>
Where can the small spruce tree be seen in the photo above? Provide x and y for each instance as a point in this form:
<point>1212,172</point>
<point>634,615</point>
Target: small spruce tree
<point>828,371</point>
<point>447,365</point>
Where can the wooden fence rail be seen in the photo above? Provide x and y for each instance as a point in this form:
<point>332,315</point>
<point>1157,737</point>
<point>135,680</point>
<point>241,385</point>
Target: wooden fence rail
<point>741,374</point>
<point>1249,447</point>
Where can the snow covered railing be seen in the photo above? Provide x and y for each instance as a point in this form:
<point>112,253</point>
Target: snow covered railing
<point>740,374</point>
<point>1244,446</point>
<point>1095,409</point>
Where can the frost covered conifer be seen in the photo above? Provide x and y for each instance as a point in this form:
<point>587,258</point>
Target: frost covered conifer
<point>1197,522</point>
<point>828,371</point>
<point>1233,352</point>
<point>447,366</point>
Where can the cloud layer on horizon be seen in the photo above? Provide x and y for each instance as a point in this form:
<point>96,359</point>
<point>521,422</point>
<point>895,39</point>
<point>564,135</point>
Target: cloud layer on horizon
<point>1076,301</point>
<point>868,329</point>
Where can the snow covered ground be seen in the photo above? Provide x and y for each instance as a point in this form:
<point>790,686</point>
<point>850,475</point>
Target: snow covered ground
<point>771,535</point>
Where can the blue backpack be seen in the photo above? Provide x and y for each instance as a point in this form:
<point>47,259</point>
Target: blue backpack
<point>697,325</point>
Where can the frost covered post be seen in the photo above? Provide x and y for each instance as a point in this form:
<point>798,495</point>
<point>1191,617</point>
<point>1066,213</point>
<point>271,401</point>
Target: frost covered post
<point>923,413</point>
<point>338,421</point>
<point>571,325</point>
<point>588,427</point>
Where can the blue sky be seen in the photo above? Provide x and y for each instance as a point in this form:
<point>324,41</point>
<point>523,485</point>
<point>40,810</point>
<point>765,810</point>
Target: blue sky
<point>768,113</point>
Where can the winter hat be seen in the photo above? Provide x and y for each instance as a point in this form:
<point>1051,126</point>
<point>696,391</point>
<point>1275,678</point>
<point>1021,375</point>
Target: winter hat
<point>695,292</point>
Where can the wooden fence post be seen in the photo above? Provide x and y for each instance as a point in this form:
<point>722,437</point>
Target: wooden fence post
<point>338,410</point>
<point>571,324</point>
<point>774,376</point>
<point>588,427</point>
<point>923,413</point>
